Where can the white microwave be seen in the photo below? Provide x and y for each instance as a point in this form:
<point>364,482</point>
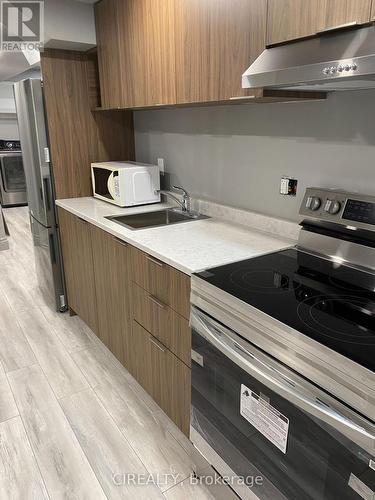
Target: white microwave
<point>126,183</point>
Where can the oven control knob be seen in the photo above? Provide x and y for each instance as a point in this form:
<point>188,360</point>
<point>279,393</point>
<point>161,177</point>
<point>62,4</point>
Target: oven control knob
<point>332,207</point>
<point>313,203</point>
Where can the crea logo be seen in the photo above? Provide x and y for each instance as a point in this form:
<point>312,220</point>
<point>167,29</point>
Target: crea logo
<point>22,25</point>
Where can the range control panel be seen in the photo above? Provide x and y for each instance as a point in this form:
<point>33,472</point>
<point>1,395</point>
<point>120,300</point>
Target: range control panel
<point>341,207</point>
<point>359,211</point>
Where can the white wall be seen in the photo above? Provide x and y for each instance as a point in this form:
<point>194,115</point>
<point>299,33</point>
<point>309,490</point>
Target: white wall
<point>237,154</point>
<point>8,126</point>
<point>69,21</point>
<point>68,24</point>
<point>9,129</point>
<point>7,103</point>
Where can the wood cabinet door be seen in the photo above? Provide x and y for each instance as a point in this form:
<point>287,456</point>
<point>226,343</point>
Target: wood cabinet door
<point>372,13</point>
<point>108,47</point>
<point>216,41</point>
<point>336,13</point>
<point>78,267</point>
<point>147,52</point>
<point>163,376</point>
<point>136,52</point>
<point>112,283</point>
<point>291,19</point>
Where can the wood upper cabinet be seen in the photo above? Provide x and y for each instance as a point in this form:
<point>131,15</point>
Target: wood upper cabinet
<point>78,266</point>
<point>293,19</point>
<point>136,52</point>
<point>336,13</point>
<point>107,34</point>
<point>112,283</point>
<point>216,40</point>
<point>372,13</point>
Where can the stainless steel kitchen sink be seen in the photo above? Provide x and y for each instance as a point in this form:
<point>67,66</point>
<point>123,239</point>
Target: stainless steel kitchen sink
<point>156,218</point>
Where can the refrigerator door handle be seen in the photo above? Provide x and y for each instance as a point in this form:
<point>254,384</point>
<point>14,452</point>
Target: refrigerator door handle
<point>47,192</point>
<point>53,249</point>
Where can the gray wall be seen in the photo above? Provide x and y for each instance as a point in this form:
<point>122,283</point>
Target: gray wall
<point>237,154</point>
<point>8,129</point>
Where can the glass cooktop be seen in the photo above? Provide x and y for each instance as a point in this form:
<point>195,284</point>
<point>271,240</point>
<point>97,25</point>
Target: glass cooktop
<point>327,301</point>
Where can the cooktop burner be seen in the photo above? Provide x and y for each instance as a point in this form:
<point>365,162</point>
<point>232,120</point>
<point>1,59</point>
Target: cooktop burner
<point>327,301</point>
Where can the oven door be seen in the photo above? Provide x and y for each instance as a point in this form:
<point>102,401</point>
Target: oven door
<point>271,432</point>
<point>12,172</point>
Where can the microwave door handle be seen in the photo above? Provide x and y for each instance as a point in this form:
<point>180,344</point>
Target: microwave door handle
<point>217,335</point>
<point>110,185</point>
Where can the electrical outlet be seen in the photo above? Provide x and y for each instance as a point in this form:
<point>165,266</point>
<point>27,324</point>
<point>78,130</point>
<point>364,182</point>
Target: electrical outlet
<point>288,186</point>
<point>161,165</point>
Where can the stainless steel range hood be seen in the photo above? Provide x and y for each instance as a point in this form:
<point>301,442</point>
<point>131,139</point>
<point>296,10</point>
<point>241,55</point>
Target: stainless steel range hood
<point>338,61</point>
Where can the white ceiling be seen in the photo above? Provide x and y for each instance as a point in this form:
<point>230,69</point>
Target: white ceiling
<point>11,64</point>
<point>68,24</point>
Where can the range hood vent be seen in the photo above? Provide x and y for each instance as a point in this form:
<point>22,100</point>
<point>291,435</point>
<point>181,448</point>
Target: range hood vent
<point>339,61</point>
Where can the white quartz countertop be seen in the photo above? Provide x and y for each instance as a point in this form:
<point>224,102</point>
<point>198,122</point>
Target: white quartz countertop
<point>189,247</point>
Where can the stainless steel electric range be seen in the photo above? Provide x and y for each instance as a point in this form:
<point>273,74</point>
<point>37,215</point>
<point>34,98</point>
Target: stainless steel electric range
<point>283,360</point>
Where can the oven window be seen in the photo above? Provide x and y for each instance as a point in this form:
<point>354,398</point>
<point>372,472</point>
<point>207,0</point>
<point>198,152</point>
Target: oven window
<point>318,463</point>
<point>13,174</point>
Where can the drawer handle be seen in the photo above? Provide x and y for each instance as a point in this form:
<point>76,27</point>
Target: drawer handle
<point>82,221</point>
<point>157,302</point>
<point>240,97</point>
<point>157,344</point>
<point>154,261</point>
<point>337,28</point>
<point>121,242</point>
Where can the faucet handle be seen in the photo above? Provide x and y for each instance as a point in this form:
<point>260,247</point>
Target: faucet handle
<point>181,189</point>
<point>185,198</point>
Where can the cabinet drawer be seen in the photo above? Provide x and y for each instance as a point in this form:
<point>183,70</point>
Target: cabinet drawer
<point>165,283</point>
<point>163,376</point>
<point>163,323</point>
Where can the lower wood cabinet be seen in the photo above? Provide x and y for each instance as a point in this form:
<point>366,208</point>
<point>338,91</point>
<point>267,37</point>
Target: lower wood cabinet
<point>162,375</point>
<point>112,284</point>
<point>137,305</point>
<point>166,325</point>
<point>78,267</point>
<point>168,285</point>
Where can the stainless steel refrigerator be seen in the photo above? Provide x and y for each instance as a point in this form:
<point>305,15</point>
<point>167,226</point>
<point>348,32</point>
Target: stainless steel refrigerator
<point>40,190</point>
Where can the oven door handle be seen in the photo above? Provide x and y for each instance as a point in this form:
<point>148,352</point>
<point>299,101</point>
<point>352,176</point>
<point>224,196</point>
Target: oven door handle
<point>285,383</point>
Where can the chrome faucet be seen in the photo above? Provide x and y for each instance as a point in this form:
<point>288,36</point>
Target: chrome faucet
<point>186,199</point>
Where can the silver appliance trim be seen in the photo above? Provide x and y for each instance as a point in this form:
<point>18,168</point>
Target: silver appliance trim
<point>343,60</point>
<point>285,383</point>
<point>341,252</point>
<point>338,375</point>
<point>337,196</point>
<point>219,464</point>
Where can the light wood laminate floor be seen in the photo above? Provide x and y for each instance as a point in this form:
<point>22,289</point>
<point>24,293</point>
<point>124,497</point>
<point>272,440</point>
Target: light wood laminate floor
<point>73,423</point>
